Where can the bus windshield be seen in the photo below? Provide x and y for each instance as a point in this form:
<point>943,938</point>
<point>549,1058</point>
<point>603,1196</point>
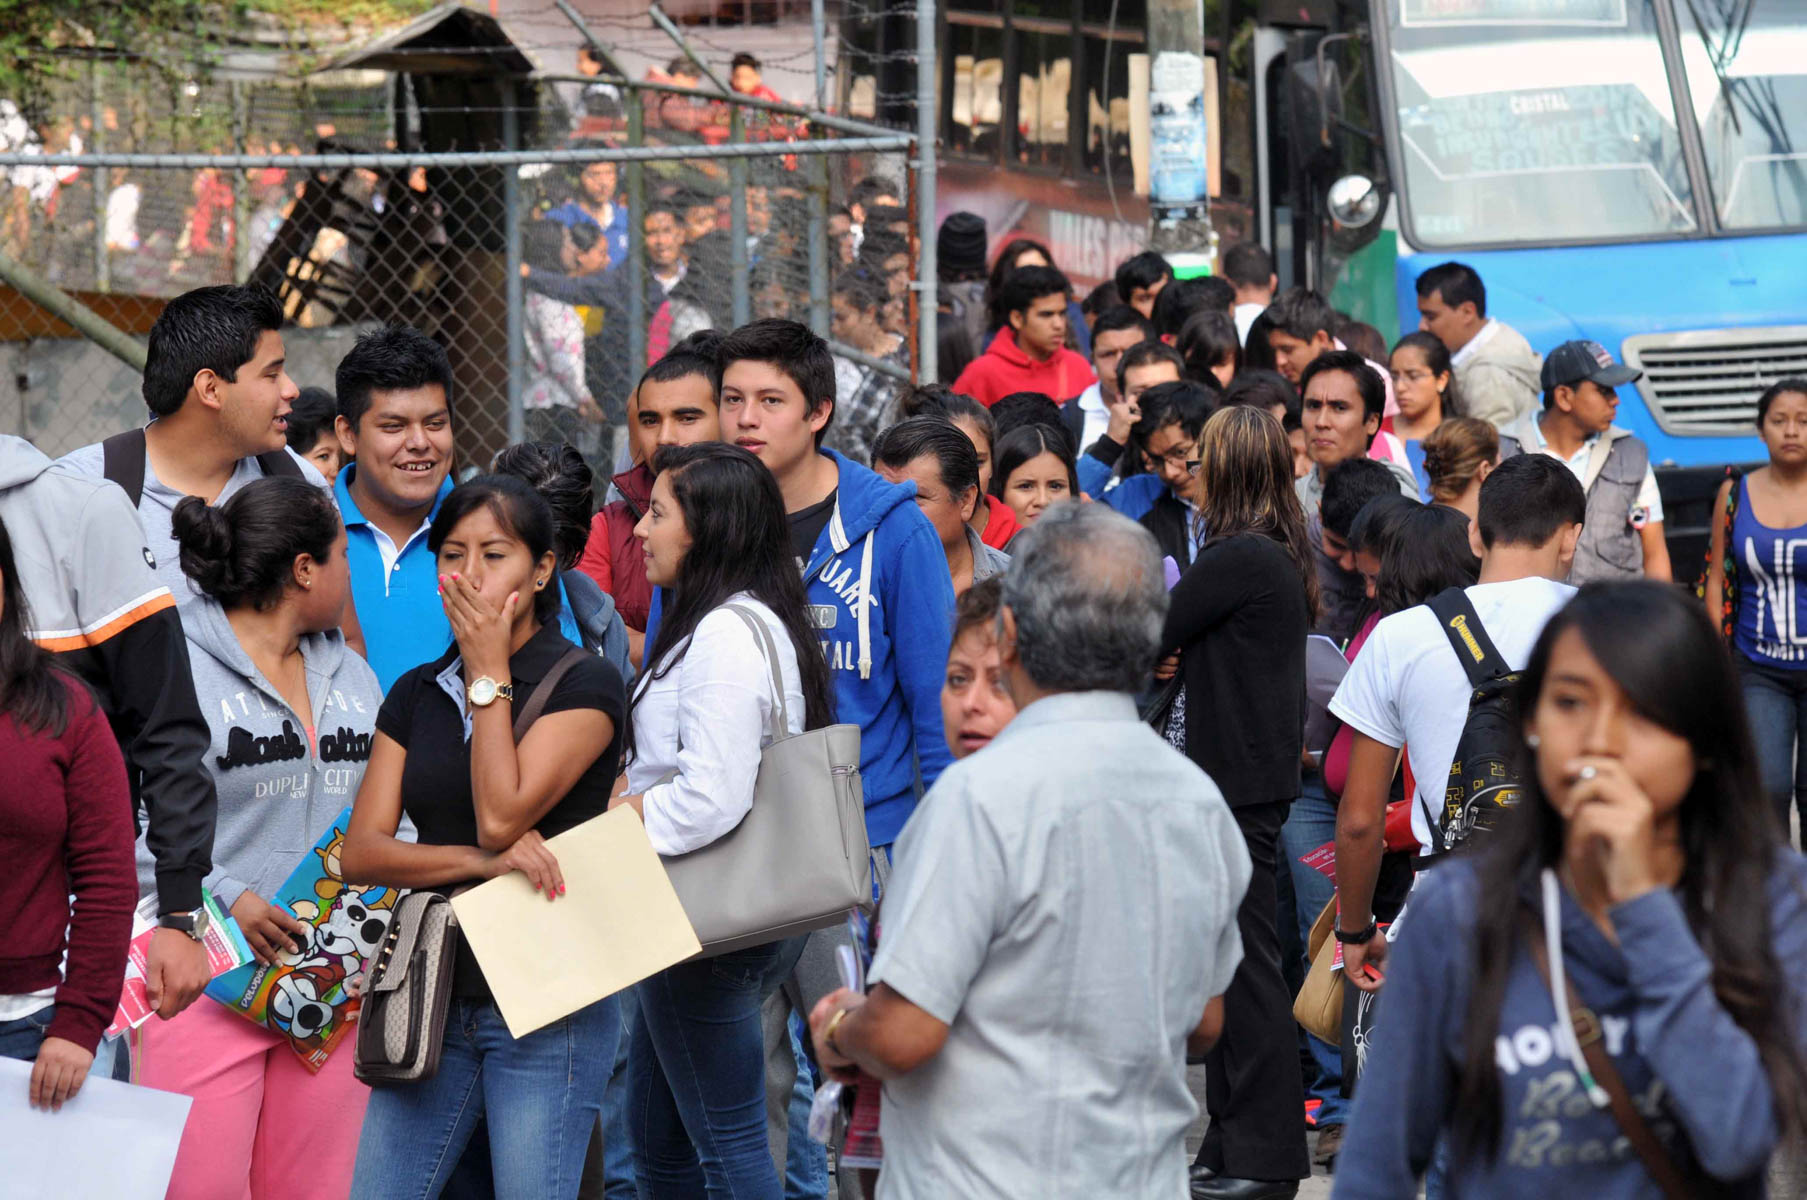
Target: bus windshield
<point>1537,121</point>
<point>1747,75</point>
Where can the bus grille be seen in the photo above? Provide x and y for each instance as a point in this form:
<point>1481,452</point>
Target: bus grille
<point>1706,382</point>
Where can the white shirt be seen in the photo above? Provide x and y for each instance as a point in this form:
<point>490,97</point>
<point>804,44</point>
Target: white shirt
<point>1245,315</point>
<point>1473,345</point>
<point>1097,415</point>
<point>707,719</point>
<point>1650,498</point>
<point>1407,687</point>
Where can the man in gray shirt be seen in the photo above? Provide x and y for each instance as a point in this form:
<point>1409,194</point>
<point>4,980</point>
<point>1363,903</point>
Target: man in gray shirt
<point>1061,923</point>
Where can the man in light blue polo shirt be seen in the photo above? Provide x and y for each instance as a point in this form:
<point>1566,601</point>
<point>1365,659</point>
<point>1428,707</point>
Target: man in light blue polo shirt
<point>395,420</point>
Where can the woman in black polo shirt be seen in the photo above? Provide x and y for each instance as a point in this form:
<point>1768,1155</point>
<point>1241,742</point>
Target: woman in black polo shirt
<point>445,755</point>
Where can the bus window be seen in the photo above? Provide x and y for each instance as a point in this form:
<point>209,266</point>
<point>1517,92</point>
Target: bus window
<point>1748,78</point>
<point>1044,91</point>
<point>1107,104</point>
<point>977,58</point>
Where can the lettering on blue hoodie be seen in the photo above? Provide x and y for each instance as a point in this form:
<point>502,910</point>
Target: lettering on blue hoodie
<point>1692,1072</point>
<point>883,601</point>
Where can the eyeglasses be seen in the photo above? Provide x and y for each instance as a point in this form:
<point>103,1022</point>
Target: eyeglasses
<point>1179,458</point>
<point>1413,375</point>
<point>1192,466</point>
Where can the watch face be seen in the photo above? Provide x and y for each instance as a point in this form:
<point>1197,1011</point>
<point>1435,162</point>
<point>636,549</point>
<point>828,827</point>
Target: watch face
<point>483,691</point>
<point>203,923</point>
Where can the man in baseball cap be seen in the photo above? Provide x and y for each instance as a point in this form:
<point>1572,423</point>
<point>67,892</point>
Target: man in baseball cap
<point>1623,535</point>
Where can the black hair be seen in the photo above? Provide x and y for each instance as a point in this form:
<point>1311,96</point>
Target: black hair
<point>543,246</point>
<point>1143,354</point>
<point>34,691</point>
<point>242,552</point>
<point>1368,382</point>
<point>1184,297</point>
<point>1348,487</point>
<point>869,188</point>
<point>1101,299</point>
<point>1247,264</point>
<point>1209,338</point>
<point>953,342</point>
<point>667,205</point>
<point>583,235</point>
<point>521,512</point>
<point>1140,271</point>
<point>740,541</point>
<point>1457,283</point>
<point>1002,268</point>
<point>687,198</point>
<point>1264,389</point>
<point>209,329</point>
<point>558,472</point>
<point>1018,409</point>
<point>876,247</point>
<point>310,416</point>
<point>796,351</point>
<point>1121,317</point>
<point>1780,387</point>
<point>1360,337</point>
<point>1187,404</point>
<point>861,289</point>
<point>1436,358</point>
<point>1301,313</point>
<point>1527,500</point>
<point>1032,441</point>
<point>743,59</point>
<point>1659,647</point>
<point>394,358</point>
<point>698,354</point>
<point>1257,352</point>
<point>940,400</point>
<point>878,216</point>
<point>913,437</point>
<point>1024,286</point>
<point>977,608</point>
<point>1377,523</point>
<point>1429,553</point>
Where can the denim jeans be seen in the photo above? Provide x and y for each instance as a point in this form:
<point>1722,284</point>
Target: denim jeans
<point>540,1096</point>
<point>1775,700</point>
<point>21,1039</point>
<point>697,1081</point>
<point>617,1140</point>
<point>1311,823</point>
<point>805,1159</point>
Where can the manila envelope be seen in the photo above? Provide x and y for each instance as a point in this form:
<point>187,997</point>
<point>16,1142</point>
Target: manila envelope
<point>618,922</point>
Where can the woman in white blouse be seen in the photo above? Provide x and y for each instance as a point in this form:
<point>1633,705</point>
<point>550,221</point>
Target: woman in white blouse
<point>715,537</point>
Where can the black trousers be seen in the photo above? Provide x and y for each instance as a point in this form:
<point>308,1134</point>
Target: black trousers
<point>1253,1092</point>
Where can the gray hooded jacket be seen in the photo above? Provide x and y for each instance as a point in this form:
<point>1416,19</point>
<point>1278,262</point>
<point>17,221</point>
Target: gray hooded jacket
<point>277,793</point>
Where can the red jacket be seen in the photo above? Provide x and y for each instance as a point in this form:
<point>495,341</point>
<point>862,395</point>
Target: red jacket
<point>1004,369</point>
<point>1001,525</point>
<point>612,555</point>
<point>66,829</point>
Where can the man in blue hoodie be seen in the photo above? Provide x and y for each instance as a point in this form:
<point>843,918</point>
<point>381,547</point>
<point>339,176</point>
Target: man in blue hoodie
<point>877,578</point>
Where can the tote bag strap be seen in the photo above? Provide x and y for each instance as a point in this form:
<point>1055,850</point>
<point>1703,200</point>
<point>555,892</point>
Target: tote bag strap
<point>768,650</point>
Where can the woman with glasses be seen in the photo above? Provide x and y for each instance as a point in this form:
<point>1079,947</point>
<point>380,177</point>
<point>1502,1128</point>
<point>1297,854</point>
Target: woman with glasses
<point>1425,383</point>
<point>1238,619</point>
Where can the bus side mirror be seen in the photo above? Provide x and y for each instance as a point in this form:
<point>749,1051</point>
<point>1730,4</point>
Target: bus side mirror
<point>1353,201</point>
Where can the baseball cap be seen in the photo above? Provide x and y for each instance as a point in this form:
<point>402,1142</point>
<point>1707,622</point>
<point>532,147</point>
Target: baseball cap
<point>1571,362</point>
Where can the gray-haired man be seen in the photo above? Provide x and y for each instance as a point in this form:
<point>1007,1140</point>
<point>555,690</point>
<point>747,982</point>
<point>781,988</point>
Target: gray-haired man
<point>1061,923</point>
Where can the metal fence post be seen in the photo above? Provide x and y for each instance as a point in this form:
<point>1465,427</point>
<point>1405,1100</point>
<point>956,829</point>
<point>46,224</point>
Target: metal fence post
<point>818,245</point>
<point>511,227</point>
<point>241,188</point>
<point>928,366</point>
<point>636,237</point>
<point>103,268</point>
<point>737,219</point>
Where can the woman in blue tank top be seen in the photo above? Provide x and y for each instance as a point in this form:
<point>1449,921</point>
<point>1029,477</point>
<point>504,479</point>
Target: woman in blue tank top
<point>1756,568</point>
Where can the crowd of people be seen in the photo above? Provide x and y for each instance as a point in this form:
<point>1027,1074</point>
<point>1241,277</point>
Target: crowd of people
<point>1185,628</point>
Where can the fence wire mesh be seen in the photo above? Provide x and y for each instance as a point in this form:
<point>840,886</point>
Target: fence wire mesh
<point>480,209</point>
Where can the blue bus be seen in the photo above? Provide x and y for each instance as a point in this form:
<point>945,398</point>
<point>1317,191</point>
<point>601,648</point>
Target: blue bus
<point>1620,170</point>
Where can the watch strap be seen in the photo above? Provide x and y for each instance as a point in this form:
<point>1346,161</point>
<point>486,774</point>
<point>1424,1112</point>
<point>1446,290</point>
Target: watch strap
<point>1359,938</point>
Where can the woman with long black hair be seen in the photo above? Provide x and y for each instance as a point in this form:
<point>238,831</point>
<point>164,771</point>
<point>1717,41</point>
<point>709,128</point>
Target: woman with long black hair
<point>715,536</point>
<point>1238,618</point>
<point>1638,893</point>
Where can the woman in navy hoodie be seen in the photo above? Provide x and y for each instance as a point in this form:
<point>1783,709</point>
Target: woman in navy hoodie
<point>1643,856</point>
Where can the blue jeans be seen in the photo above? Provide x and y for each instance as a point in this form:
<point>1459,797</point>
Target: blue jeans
<point>806,1160</point>
<point>540,1095</point>
<point>21,1039</point>
<point>1775,700</point>
<point>1309,824</point>
<point>617,1141</point>
<point>697,1081</point>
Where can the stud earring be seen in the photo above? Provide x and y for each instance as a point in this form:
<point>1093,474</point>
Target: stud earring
<point>1533,741</point>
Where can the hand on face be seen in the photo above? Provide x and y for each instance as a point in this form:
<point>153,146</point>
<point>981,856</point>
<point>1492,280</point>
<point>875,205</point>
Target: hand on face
<point>483,630</point>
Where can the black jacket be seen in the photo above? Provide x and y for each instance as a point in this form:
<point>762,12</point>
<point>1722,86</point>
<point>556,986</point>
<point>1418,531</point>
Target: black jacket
<point>1239,619</point>
<point>1171,523</point>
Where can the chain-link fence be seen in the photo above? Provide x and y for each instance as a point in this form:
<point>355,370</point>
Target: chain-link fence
<point>554,233</point>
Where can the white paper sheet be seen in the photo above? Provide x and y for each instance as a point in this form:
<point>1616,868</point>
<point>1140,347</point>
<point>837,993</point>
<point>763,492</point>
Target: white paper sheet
<point>113,1140</point>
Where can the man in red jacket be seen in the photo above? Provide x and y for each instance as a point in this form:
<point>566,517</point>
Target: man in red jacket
<point>1029,354</point>
<point>675,405</point>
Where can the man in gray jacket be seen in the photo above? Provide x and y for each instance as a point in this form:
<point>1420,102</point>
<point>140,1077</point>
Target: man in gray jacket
<point>1496,369</point>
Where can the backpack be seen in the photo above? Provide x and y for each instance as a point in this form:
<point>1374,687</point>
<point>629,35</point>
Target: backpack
<point>1484,778</point>
<point>122,462</point>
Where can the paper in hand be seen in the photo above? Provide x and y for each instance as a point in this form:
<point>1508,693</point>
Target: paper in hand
<point>113,1139</point>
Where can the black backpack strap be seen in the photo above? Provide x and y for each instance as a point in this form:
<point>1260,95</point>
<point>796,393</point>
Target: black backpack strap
<point>122,462</point>
<point>1467,636</point>
<point>280,462</point>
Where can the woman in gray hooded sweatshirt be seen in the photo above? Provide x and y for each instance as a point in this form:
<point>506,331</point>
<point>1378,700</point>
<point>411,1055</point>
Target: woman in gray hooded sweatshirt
<point>291,711</point>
